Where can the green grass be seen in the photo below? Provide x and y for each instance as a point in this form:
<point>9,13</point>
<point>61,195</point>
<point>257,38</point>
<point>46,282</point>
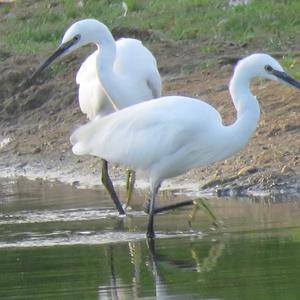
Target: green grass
<point>291,64</point>
<point>38,25</point>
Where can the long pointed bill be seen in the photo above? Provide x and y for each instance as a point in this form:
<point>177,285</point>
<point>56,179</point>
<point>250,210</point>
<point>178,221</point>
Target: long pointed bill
<point>61,50</point>
<point>286,78</point>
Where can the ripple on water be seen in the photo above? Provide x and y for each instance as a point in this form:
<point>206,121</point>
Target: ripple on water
<point>67,237</point>
<point>63,215</point>
<point>72,238</point>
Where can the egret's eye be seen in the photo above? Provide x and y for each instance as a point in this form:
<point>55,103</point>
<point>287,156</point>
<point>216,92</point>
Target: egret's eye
<point>268,68</point>
<point>76,37</point>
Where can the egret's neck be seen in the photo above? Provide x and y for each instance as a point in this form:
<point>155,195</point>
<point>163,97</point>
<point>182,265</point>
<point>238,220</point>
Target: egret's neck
<point>105,65</point>
<point>247,113</point>
<point>106,52</point>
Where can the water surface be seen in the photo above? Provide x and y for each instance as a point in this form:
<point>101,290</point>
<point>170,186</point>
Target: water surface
<point>59,242</point>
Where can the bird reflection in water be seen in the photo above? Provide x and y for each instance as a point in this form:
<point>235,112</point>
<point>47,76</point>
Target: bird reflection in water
<point>143,261</point>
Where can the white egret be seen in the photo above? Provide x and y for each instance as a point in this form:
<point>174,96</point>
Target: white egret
<point>118,74</point>
<point>171,135</point>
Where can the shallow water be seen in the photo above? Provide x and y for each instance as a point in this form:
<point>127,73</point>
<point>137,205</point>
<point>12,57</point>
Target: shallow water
<point>59,242</point>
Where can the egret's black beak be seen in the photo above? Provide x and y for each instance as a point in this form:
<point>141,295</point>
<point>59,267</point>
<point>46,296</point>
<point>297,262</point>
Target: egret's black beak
<point>61,50</point>
<point>286,78</point>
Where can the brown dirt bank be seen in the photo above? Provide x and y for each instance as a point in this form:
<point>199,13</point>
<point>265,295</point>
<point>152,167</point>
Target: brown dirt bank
<point>36,122</point>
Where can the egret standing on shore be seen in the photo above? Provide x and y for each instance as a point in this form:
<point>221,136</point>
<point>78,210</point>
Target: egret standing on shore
<point>117,75</point>
<point>168,136</point>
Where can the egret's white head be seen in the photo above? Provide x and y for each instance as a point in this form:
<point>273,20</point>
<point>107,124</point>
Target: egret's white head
<point>263,66</point>
<point>81,33</point>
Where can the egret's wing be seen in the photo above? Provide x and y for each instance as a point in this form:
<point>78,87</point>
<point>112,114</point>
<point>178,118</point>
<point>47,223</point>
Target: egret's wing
<point>144,134</point>
<point>134,58</point>
<point>154,84</point>
<point>93,100</point>
<point>87,70</point>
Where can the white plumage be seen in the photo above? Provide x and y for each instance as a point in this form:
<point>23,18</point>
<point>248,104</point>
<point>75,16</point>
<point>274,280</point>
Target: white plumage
<point>168,126</point>
<point>137,79</point>
<point>118,74</point>
<point>170,135</point>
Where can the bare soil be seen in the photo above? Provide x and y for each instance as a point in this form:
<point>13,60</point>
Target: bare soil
<point>36,122</point>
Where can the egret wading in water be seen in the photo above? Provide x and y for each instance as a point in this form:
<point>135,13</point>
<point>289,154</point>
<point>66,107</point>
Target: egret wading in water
<point>168,136</point>
<point>118,74</point>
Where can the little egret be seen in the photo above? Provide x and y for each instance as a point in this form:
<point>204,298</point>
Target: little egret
<point>118,74</point>
<point>168,136</point>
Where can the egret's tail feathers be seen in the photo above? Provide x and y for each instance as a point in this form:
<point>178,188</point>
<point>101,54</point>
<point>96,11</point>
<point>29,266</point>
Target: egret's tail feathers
<point>79,139</point>
<point>73,139</point>
<point>79,149</point>
<point>82,138</point>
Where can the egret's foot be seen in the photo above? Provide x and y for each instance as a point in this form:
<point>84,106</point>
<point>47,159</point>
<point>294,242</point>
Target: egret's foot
<point>216,224</point>
<point>128,208</point>
<point>150,235</point>
<point>206,207</point>
<point>121,216</point>
<point>201,204</point>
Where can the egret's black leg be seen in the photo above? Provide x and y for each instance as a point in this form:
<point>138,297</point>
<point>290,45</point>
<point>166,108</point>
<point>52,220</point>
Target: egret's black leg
<point>174,206</point>
<point>147,206</point>
<point>199,202</point>
<point>167,207</point>
<point>110,188</point>
<point>150,229</point>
